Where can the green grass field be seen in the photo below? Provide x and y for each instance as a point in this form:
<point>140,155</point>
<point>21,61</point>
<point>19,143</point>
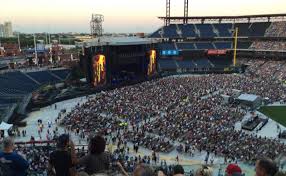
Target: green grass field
<point>277,113</point>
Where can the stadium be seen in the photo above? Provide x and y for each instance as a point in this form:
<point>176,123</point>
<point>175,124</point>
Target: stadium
<point>202,93</point>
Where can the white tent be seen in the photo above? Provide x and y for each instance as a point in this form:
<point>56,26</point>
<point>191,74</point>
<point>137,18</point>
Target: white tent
<point>248,97</point>
<point>5,127</point>
<point>250,100</point>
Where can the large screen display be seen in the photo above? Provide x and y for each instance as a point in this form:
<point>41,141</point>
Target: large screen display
<point>152,63</point>
<point>99,70</point>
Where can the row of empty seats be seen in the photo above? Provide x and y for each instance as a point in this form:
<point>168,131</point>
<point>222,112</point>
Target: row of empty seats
<point>21,83</point>
<point>202,63</point>
<point>63,73</point>
<point>15,85</point>
<point>252,29</point>
<point>211,30</point>
<point>197,45</point>
<point>43,77</point>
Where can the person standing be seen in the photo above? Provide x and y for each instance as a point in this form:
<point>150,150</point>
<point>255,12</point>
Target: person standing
<point>61,161</point>
<point>177,159</point>
<point>154,157</point>
<point>207,158</point>
<point>12,163</point>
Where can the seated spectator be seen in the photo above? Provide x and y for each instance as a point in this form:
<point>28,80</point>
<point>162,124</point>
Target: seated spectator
<point>265,167</point>
<point>61,160</point>
<point>12,163</point>
<point>204,171</point>
<point>233,170</point>
<point>96,161</point>
<point>178,170</point>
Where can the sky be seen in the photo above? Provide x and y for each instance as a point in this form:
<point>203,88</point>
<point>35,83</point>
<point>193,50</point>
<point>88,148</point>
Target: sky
<point>54,16</point>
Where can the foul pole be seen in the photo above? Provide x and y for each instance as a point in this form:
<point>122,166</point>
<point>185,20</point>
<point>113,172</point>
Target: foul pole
<point>235,46</point>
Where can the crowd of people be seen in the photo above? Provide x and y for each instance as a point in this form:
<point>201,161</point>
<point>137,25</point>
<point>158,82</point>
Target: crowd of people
<point>184,113</point>
<point>189,110</point>
<point>37,156</point>
<point>276,29</point>
<point>268,45</point>
<point>65,160</point>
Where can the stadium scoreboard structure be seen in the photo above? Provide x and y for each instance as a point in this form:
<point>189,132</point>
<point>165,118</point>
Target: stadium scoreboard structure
<point>112,60</point>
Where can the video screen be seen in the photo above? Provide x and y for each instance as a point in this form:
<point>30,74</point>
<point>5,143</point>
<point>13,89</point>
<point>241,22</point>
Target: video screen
<point>99,70</point>
<point>152,63</point>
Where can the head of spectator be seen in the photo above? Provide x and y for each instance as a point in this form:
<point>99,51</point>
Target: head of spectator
<point>265,167</point>
<point>178,170</point>
<point>161,172</point>
<point>97,145</point>
<point>204,171</point>
<point>233,170</point>
<point>63,141</point>
<point>143,170</point>
<point>8,145</point>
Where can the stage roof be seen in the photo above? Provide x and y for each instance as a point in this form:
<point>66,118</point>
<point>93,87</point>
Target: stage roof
<point>118,41</point>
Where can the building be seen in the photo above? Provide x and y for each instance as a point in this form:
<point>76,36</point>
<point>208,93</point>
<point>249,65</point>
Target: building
<point>7,29</point>
<point>11,49</point>
<point>1,30</point>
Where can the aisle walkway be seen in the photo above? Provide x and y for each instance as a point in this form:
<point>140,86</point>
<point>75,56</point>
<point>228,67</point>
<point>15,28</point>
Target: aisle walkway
<point>48,114</point>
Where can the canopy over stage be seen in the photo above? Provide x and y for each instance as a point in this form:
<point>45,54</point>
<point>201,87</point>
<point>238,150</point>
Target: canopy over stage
<point>118,41</point>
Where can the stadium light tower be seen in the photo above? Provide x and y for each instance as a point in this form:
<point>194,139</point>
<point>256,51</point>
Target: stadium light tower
<point>186,11</point>
<point>96,25</point>
<point>36,52</point>
<point>168,12</point>
<point>19,43</point>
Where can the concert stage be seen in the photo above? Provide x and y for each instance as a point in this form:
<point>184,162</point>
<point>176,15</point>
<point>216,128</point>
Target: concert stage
<point>120,60</point>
